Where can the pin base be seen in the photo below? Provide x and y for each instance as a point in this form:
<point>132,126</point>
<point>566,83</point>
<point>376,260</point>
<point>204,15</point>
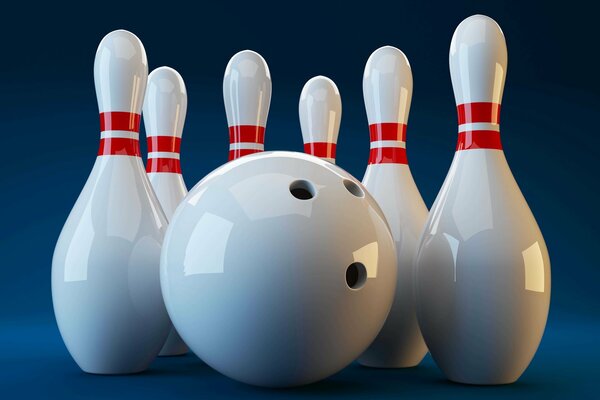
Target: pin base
<point>483,383</point>
<point>389,365</point>
<point>174,354</point>
<point>475,378</point>
<point>115,372</point>
<point>174,346</point>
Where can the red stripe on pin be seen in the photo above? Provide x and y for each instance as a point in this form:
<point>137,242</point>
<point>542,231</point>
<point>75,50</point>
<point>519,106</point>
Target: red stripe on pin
<point>388,131</point>
<point>237,153</point>
<point>171,144</point>
<point>119,147</point>
<point>388,155</point>
<point>119,121</point>
<point>478,112</point>
<point>247,134</point>
<point>479,140</point>
<point>320,149</point>
<point>170,165</point>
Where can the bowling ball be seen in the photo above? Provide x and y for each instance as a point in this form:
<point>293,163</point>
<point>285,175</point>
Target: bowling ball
<point>278,269</point>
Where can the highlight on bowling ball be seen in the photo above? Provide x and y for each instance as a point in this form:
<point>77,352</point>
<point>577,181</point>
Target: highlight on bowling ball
<point>278,269</point>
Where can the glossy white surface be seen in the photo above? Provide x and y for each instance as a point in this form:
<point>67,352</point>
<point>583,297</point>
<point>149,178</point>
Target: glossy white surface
<point>320,110</point>
<point>254,278</point>
<point>478,61</point>
<point>165,104</point>
<point>387,87</point>
<point>165,108</point>
<point>400,343</point>
<point>170,189</point>
<point>105,270</point>
<point>247,89</point>
<point>120,72</point>
<point>483,271</point>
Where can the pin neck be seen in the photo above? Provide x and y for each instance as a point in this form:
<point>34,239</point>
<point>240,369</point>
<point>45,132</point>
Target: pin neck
<point>119,134</point>
<point>163,154</point>
<point>388,143</point>
<point>478,126</point>
<point>245,139</point>
<point>321,149</point>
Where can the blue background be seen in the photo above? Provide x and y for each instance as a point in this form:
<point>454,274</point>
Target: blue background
<point>49,127</point>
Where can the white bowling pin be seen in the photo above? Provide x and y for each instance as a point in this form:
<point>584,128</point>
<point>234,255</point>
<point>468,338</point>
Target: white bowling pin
<point>105,270</point>
<point>165,106</point>
<point>387,89</point>
<point>483,271</point>
<point>247,97</point>
<point>320,110</point>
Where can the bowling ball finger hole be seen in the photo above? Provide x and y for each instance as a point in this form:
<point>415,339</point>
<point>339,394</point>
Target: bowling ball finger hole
<point>303,190</point>
<point>353,188</point>
<point>356,275</point>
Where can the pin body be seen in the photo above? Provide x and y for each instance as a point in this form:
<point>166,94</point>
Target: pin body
<point>483,271</point>
<point>247,97</point>
<point>165,108</point>
<point>320,111</point>
<point>399,343</point>
<point>387,88</point>
<point>105,270</point>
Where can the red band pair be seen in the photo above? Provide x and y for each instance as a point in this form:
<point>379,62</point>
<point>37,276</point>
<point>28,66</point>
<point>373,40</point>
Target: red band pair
<point>478,139</point>
<point>388,155</point>
<point>245,134</point>
<point>119,121</point>
<point>168,144</point>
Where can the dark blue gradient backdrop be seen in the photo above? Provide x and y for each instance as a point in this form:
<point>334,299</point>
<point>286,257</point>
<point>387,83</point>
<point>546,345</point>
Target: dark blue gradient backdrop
<point>50,130</point>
